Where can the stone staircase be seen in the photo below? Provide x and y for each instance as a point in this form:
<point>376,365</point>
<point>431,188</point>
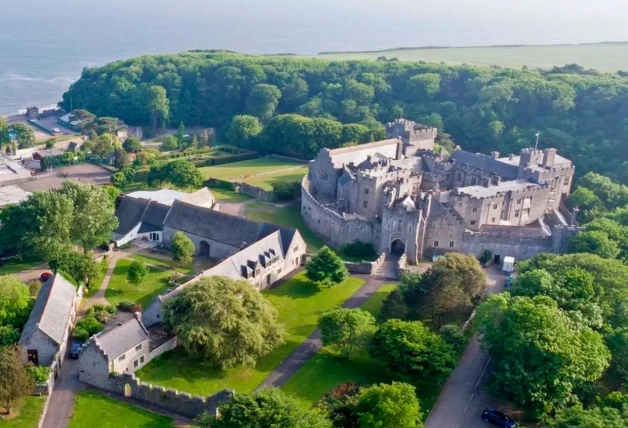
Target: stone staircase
<point>388,269</point>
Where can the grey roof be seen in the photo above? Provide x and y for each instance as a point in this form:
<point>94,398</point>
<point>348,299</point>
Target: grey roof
<point>155,214</point>
<point>202,198</point>
<point>217,226</point>
<point>486,163</point>
<point>130,213</point>
<point>493,190</point>
<point>165,196</point>
<point>345,179</point>
<point>53,309</point>
<point>121,338</point>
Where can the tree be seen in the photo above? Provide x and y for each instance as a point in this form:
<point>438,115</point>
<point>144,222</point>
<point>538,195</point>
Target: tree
<point>180,133</point>
<point>15,301</point>
<point>223,321</point>
<point>204,140</point>
<point>50,143</point>
<point>346,329</point>
<point>23,134</point>
<point>169,143</point>
<point>159,105</point>
<point>121,159</point>
<point>394,306</point>
<point>132,145</point>
<point>540,353</point>
<point>412,351</point>
<point>597,416</point>
<point>424,86</point>
<point>86,121</point>
<point>262,101</point>
<point>182,248</point>
<point>617,343</point>
<point>93,214</point>
<point>81,266</point>
<point>182,173</point>
<point>266,408</point>
<point>594,242</point>
<point>326,268</point>
<point>137,273</point>
<point>242,130</point>
<point>9,335</point>
<point>15,382</point>
<point>118,179</point>
<point>389,406</point>
<point>452,335</point>
<point>102,147</point>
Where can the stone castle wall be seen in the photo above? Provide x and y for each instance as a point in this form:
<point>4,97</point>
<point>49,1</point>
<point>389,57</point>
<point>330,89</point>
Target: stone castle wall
<point>336,230</point>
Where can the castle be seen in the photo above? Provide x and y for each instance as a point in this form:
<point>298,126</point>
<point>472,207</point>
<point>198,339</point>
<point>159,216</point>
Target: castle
<point>405,199</point>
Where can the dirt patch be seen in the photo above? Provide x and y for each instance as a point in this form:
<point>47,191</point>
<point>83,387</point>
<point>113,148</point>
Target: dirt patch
<point>84,173</point>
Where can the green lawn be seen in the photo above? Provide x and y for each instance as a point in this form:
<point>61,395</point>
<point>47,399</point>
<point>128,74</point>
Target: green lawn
<point>238,171</point>
<point>97,410</point>
<point>375,302</point>
<point>266,181</point>
<point>119,290</point>
<point>15,265</point>
<point>97,282</point>
<point>299,303</point>
<point>289,216</point>
<point>608,57</point>
<point>229,196</point>
<point>166,264</point>
<point>28,414</point>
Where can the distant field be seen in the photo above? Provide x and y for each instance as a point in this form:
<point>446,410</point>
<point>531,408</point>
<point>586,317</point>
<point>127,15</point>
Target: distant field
<point>608,57</point>
<point>272,169</point>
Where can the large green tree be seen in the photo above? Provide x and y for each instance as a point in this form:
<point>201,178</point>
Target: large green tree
<point>346,329</point>
<point>224,322</point>
<point>137,273</point>
<point>15,383</point>
<point>266,408</point>
<point>326,268</point>
<point>182,248</point>
<point>594,242</point>
<point>15,301</point>
<point>242,130</point>
<point>23,134</point>
<point>263,101</point>
<point>389,406</point>
<point>541,355</point>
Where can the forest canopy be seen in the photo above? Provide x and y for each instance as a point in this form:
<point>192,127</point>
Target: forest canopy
<point>484,109</point>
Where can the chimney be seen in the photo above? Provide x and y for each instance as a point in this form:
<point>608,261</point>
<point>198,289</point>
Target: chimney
<point>495,155</point>
<point>574,217</point>
<point>548,157</point>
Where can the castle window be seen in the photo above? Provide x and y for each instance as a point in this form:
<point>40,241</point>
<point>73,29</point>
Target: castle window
<point>566,182</point>
<point>436,243</point>
<point>472,222</point>
<point>493,220</point>
<point>136,363</point>
<point>459,177</point>
<point>474,181</point>
<point>517,213</point>
<point>322,174</point>
<point>451,244</point>
<point>142,359</point>
<point>518,201</point>
<point>138,347</point>
<point>475,210</point>
<point>365,204</point>
<point>366,191</point>
<point>494,206</point>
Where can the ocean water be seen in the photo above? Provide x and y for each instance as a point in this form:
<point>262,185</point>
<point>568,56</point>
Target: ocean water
<point>44,44</point>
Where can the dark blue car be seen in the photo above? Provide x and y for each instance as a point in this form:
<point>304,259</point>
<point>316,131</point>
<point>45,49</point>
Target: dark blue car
<point>75,349</point>
<point>497,418</point>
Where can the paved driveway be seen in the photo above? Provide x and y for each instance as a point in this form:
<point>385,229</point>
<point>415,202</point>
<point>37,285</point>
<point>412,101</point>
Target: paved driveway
<point>60,408</point>
<point>463,399</point>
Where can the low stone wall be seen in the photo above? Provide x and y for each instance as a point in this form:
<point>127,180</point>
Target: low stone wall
<point>364,267</point>
<point>244,188</point>
<point>401,265</point>
<point>172,400</point>
<point>163,348</point>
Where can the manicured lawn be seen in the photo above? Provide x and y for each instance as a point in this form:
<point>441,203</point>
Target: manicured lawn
<point>299,303</point>
<point>226,195</point>
<point>266,181</point>
<point>375,302</point>
<point>161,262</point>
<point>15,265</point>
<point>289,216</point>
<point>97,282</point>
<point>119,289</point>
<point>27,414</point>
<point>96,410</point>
<point>237,171</point>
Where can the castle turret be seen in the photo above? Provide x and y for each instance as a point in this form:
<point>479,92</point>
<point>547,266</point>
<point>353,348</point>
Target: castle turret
<point>414,136</point>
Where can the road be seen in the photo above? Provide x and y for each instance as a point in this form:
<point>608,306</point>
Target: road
<point>463,399</point>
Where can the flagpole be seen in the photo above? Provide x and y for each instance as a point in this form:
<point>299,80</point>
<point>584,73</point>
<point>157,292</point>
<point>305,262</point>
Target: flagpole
<point>536,146</point>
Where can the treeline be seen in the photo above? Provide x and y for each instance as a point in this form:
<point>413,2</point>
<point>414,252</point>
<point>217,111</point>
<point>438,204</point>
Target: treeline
<point>484,109</point>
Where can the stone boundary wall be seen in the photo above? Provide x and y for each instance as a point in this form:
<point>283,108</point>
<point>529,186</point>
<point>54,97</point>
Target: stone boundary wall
<point>244,188</point>
<point>172,400</point>
<point>365,267</point>
<point>505,245</point>
<point>163,348</point>
<point>401,265</point>
<point>334,229</point>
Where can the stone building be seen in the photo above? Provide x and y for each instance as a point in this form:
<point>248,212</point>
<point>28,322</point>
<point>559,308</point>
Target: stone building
<point>403,198</point>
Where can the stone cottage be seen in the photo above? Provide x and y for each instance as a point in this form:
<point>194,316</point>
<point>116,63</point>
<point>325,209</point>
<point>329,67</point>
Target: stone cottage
<point>46,333</point>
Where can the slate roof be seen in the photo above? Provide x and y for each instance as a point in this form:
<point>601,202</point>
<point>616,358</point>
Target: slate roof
<point>486,163</point>
<point>130,213</point>
<point>52,310</point>
<point>121,338</point>
<point>202,197</point>
<point>221,227</point>
<point>155,214</point>
<point>165,196</point>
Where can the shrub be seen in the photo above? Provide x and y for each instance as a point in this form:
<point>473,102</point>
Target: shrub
<point>359,249</point>
<point>486,256</point>
<point>452,335</point>
<point>110,309</point>
<point>80,334</point>
<point>34,286</point>
<point>40,374</point>
<point>286,191</point>
<point>136,308</point>
<point>175,279</point>
<point>91,325</point>
<point>8,335</point>
<point>125,305</point>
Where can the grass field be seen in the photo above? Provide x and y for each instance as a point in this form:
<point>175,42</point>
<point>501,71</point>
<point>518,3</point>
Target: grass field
<point>608,57</point>
<point>97,282</point>
<point>289,216</point>
<point>327,369</point>
<point>247,171</point>
<point>162,263</point>
<point>299,303</point>
<point>15,265</point>
<point>96,410</point>
<point>119,289</point>
<point>28,414</point>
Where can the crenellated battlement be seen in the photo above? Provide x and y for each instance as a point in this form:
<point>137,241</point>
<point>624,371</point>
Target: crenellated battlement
<point>410,131</point>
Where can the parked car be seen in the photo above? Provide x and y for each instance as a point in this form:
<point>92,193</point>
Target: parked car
<point>497,418</point>
<point>45,276</point>
<point>75,349</point>
<point>511,279</point>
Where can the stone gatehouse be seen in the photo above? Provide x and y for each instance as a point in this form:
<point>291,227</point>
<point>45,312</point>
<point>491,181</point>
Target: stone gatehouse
<point>404,198</point>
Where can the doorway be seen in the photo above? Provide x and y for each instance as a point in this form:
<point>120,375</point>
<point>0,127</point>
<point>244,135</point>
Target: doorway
<point>33,356</point>
<point>204,249</point>
<point>496,259</point>
<point>397,248</point>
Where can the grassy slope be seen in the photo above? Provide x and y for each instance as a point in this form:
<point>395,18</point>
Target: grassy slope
<point>602,57</point>
<point>239,170</point>
<point>326,370</point>
<point>96,410</point>
<point>289,176</point>
<point>119,290</point>
<point>299,304</point>
<point>28,414</point>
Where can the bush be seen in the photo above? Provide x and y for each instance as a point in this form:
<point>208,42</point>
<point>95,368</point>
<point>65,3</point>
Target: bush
<point>40,374</point>
<point>286,191</point>
<point>80,334</point>
<point>359,249</point>
<point>136,308</point>
<point>452,335</point>
<point>8,335</point>
<point>90,324</point>
<point>486,256</point>
<point>125,305</point>
<point>34,286</point>
<point>175,279</point>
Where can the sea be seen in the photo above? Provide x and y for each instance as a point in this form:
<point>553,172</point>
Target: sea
<point>45,44</point>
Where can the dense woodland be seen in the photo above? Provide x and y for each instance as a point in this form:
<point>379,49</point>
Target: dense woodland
<point>580,112</point>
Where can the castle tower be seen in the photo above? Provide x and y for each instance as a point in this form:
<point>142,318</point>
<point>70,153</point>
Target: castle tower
<point>414,136</point>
